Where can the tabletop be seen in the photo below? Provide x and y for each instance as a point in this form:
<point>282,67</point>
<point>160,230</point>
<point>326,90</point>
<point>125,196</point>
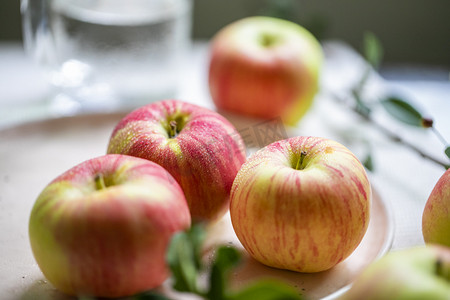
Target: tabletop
<point>401,177</point>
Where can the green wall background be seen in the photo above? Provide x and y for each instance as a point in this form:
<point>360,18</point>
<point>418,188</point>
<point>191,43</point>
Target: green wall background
<point>412,31</point>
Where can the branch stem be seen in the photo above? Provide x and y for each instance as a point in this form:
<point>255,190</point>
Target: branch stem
<point>392,135</point>
<point>439,136</point>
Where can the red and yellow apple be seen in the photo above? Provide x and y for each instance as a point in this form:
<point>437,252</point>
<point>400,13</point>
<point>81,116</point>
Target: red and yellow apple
<point>102,228</point>
<point>265,67</point>
<point>416,273</point>
<point>436,215</point>
<point>301,204</point>
<point>199,147</point>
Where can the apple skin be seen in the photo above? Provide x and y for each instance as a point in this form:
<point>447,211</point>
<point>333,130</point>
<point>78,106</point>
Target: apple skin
<point>265,67</point>
<point>112,241</point>
<point>412,274</point>
<point>436,214</point>
<point>204,157</point>
<point>303,216</point>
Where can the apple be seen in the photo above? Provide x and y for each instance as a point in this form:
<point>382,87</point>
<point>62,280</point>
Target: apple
<point>199,147</point>
<point>265,67</point>
<point>301,204</point>
<point>436,215</point>
<point>103,227</point>
<point>416,273</point>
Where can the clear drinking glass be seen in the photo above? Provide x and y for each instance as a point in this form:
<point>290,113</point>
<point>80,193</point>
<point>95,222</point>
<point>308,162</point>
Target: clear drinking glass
<point>108,54</point>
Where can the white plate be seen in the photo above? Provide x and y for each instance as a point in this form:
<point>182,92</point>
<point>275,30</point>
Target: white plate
<point>33,154</point>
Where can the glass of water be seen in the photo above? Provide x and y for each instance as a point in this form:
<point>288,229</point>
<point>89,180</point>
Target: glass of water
<point>107,55</point>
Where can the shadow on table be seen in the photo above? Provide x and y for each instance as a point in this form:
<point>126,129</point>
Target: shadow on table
<point>43,290</point>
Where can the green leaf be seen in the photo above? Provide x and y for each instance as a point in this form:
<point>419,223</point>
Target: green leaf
<point>373,50</point>
<point>368,162</point>
<point>267,290</point>
<point>197,235</point>
<point>225,259</point>
<point>447,151</point>
<point>361,107</point>
<point>183,258</point>
<point>403,111</point>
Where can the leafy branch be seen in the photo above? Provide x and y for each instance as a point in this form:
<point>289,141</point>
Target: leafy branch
<point>398,108</point>
<point>184,258</point>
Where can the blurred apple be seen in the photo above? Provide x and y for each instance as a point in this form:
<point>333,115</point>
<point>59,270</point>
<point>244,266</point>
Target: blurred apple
<point>418,273</point>
<point>301,204</point>
<point>265,67</point>
<point>436,215</point>
<point>199,147</point>
<point>102,228</point>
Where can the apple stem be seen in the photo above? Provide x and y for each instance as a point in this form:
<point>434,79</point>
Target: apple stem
<point>299,165</point>
<point>173,129</point>
<point>267,40</point>
<point>439,268</point>
<point>99,182</point>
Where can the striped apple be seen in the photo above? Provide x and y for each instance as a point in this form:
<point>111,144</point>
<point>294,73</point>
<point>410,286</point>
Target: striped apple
<point>436,213</point>
<point>265,67</point>
<point>102,228</point>
<point>414,273</point>
<point>199,147</point>
<point>301,204</point>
